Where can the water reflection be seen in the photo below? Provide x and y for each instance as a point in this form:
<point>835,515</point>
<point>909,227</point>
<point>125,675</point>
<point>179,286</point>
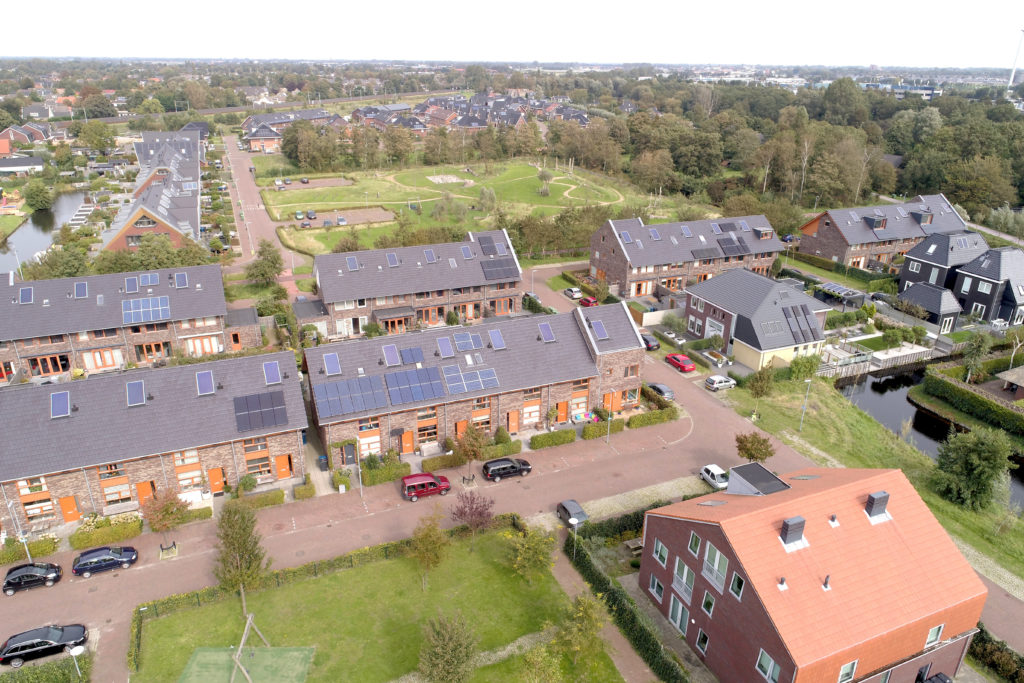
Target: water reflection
<point>37,233</point>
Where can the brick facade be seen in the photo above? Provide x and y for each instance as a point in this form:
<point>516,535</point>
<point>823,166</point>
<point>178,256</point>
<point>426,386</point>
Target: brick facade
<point>821,237</point>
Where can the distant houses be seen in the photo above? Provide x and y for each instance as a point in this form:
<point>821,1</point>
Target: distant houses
<point>264,132</point>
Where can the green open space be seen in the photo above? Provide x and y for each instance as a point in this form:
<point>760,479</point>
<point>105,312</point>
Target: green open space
<point>824,275</point>
<point>873,343</point>
<point>9,224</point>
<point>853,438</point>
<point>940,407</point>
<point>246,290</point>
<point>961,335</point>
<point>366,622</point>
<point>558,283</point>
<point>596,669</point>
<point>264,665</point>
<point>270,166</point>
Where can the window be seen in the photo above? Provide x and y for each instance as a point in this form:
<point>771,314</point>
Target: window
<point>966,286</point>
<point>657,590</point>
<point>532,394</point>
<point>48,365</point>
<point>914,267</point>
<point>984,287</point>
<point>767,667</point>
<point>736,587</point>
<point>702,641</point>
<point>715,566</point>
<point>848,671</point>
<point>119,493</point>
<point>660,552</point>
<point>191,479</point>
<point>253,445</point>
<point>100,334</point>
<point>258,466</point>
<point>481,402</point>
<point>682,581</point>
<point>708,605</point>
<point>632,370</point>
<point>111,471</point>
<point>630,396</point>
<point>694,543</point>
<point>978,309</point>
<point>482,423</point>
<point>700,305</point>
<point>40,510</point>
<point>368,423</point>
<point>578,384</point>
<point>427,413</point>
<point>934,635</point>
<point>427,433</point>
<point>678,614</point>
<point>188,457</point>
<point>34,485</point>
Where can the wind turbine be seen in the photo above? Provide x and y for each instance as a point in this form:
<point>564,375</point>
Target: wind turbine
<point>1013,72</point>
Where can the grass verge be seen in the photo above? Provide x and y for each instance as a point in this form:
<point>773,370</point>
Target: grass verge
<point>9,224</point>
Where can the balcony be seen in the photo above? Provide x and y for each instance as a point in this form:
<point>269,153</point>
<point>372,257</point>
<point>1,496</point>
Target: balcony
<point>716,578</point>
<point>681,588</point>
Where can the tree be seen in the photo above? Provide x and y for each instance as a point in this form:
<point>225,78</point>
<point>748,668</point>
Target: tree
<point>601,290</point>
<point>37,195</point>
<point>978,344</point>
<point>241,560</point>
<point>267,266</point>
<point>531,552</point>
<point>970,463</point>
<point>761,384</point>
<point>755,447</point>
<point>654,170</point>
<point>1016,339</point>
<point>578,630</point>
<point>892,337</point>
<point>429,544</point>
<point>96,135</point>
<point>474,510</point>
<point>804,367</point>
<point>449,646</point>
<point>216,245</point>
<point>471,444</point>
<point>62,156</point>
<point>150,106</point>
<point>542,665</point>
<point>164,512</point>
<point>98,107</point>
<point>398,143</point>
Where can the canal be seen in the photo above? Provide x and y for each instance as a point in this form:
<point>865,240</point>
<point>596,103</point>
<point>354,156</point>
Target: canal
<point>37,233</point>
<point>885,399</point>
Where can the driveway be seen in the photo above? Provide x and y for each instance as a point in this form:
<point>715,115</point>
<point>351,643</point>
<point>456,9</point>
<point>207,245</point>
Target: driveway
<point>536,280</point>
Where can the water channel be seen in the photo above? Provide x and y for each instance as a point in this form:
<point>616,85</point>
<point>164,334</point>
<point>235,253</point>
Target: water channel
<point>885,399</point>
<point>37,233</point>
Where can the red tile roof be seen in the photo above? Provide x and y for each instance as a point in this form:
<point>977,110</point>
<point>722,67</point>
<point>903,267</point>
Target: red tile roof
<point>882,576</point>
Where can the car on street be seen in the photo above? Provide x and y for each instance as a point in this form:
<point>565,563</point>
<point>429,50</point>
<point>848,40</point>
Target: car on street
<point>39,642</point>
<point>717,382</point>
<point>311,214</point>
<point>25,576</point>
<point>494,470</point>
<point>299,215</point>
<point>287,181</point>
<point>342,220</point>
<point>680,362</point>
<point>277,181</point>
<point>715,475</point>
<point>662,390</point>
<point>304,181</point>
<point>573,292</point>
<point>102,559</point>
<point>651,342</point>
<point>588,301</point>
<point>305,224</point>
<point>570,509</point>
<point>415,486</point>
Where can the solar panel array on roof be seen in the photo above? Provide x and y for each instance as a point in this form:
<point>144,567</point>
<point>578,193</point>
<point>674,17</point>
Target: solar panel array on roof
<point>60,404</point>
<point>429,256</point>
<point>499,268</point>
<point>706,253</point>
<point>728,227</point>
<point>444,345</point>
<point>391,357</point>
<point>204,382</point>
<point>131,285</point>
<point>272,372</point>
<point>332,366</point>
<point>150,309</point>
<point>81,290</point>
<point>392,259</point>
<point>487,245</point>
<point>409,386</point>
<point>716,228</point>
<point>838,290</point>
<point>546,333</point>
<point>136,392</point>
<point>460,382</point>
<point>497,341</point>
<point>685,229</point>
<point>413,354</point>
<point>463,341</point>
<point>600,333</point>
<point>733,245</point>
<point>352,262</point>
<point>259,411</point>
<point>744,227</point>
<point>349,396</point>
<point>181,280</point>
<point>802,323</point>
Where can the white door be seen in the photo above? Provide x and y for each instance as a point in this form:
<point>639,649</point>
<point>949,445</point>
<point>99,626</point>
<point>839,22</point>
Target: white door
<point>947,325</point>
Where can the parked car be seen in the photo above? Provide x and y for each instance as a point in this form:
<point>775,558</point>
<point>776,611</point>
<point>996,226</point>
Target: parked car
<point>788,238</point>
<point>570,509</point>
<point>531,295</point>
<point>680,362</point>
<point>311,214</point>
<point>299,215</point>
<point>715,475</point>
<point>102,559</point>
<point>305,224</point>
<point>588,301</point>
<point>651,342</point>
<point>494,470</point>
<point>669,333</point>
<point>662,390</point>
<point>277,181</point>
<point>716,382</point>
<point>416,485</point>
<point>25,576</point>
<point>287,181</point>
<point>883,297</point>
<point>342,221</point>
<point>304,181</point>
<point>573,292</point>
<point>39,642</point>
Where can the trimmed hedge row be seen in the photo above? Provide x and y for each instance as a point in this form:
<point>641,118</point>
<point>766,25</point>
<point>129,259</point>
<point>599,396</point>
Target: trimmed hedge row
<point>304,490</point>
<point>997,656</point>
<point>653,417</point>
<point>14,551</point>
<point>386,473</point>
<point>958,395</point>
<point>501,450</point>
<point>864,276</point>
<point>196,515</point>
<point>990,367</point>
<point>558,437</point>
<point>596,430</point>
<point>105,535</point>
<point>263,500</point>
<point>338,478</point>
<point>55,671</point>
<point>442,462</point>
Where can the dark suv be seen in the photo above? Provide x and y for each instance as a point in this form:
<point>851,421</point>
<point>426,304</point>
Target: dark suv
<point>102,559</point>
<point>40,642</point>
<point>26,576</point>
<point>494,470</point>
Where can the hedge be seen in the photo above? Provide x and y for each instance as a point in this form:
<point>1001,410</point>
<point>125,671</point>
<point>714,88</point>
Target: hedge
<point>865,276</point>
<point>598,429</point>
<point>653,417</point>
<point>304,490</point>
<point>652,396</point>
<point>501,450</point>
<point>339,477</point>
<point>555,438</point>
<point>442,462</point>
<point>263,500</point>
<point>997,656</point>
<point>196,515</point>
<point>386,473</point>
<point>14,550</point>
<point>55,671</point>
<point>958,395</point>
<point>112,534</point>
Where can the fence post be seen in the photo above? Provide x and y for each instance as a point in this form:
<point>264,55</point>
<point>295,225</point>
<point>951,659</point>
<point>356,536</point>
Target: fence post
<point>198,603</point>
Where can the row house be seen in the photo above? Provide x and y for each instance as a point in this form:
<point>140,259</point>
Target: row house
<point>414,287</point>
<point>100,323</point>
<point>106,444</point>
<point>637,259</point>
<point>873,236</point>
<point>991,287</point>
<point>824,574</point>
<point>761,322</point>
<point>935,259</point>
<point>264,132</point>
<point>33,132</point>
<point>415,391</point>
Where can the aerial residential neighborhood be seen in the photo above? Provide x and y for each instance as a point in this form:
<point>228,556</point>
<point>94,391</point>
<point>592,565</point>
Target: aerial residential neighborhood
<point>565,370</point>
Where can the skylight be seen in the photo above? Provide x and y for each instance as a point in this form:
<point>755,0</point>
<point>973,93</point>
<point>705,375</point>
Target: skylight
<point>60,404</point>
<point>204,382</point>
<point>272,372</point>
<point>136,392</point>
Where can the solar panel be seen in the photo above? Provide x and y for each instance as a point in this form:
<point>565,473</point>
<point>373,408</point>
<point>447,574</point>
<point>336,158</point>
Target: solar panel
<point>60,404</point>
<point>487,245</point>
<point>452,263</point>
<point>81,290</point>
<point>478,342</point>
<point>272,372</point>
<point>392,259</point>
<point>136,393</point>
<point>408,386</point>
<point>332,366</point>
<point>453,378</point>
<point>901,211</point>
<point>546,333</point>
<point>655,235</point>
<point>716,228</point>
<point>341,397</point>
<point>489,378</point>
<point>599,330</point>
<point>149,279</point>
<point>686,231</point>
<point>353,263</point>
<point>150,309</point>
<point>204,382</point>
<point>497,341</point>
<point>463,341</point>
<point>444,345</point>
<point>25,295</point>
<point>411,355</point>
<point>259,411</point>
<point>626,239</point>
<point>181,280</point>
<point>500,269</point>
<point>391,355</point>
<point>500,248</point>
<point>744,227</point>
<point>467,252</point>
<point>429,256</point>
<point>131,285</point>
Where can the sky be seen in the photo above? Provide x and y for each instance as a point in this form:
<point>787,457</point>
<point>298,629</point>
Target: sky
<point>916,33</point>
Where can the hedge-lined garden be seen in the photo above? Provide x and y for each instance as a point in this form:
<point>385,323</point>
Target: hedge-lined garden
<point>304,490</point>
<point>558,437</point>
<point>97,531</point>
<point>56,671</point>
<point>996,656</point>
<point>14,551</point>
<point>944,384</point>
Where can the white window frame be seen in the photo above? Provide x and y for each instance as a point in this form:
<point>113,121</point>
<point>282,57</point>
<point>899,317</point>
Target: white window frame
<point>1018,317</point>
<point>771,672</point>
<point>715,572</point>
<point>984,287</point>
<point>965,286</point>
<point>885,677</point>
<point>979,309</point>
<point>694,551</point>
<point>678,614</point>
<point>700,305</point>
<point>913,267</point>
<point>656,588</point>
<point>848,672</point>
<point>660,553</point>
<point>947,323</point>
<point>704,602</point>
<point>679,582</point>
<point>732,584</point>
<point>932,640</point>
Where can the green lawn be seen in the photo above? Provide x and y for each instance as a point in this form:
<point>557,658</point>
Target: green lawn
<point>825,275</point>
<point>873,343</point>
<point>365,623</point>
<point>595,670</point>
<point>961,335</point>
<point>8,224</point>
<point>246,291</point>
<point>558,283</point>
<point>834,425</point>
<point>303,270</point>
<point>305,285</point>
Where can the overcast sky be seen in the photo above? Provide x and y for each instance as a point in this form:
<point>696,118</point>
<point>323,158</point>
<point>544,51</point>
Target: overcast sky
<point>982,33</point>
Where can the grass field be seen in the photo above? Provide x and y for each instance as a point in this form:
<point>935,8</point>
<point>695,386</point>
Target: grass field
<point>874,343</point>
<point>246,291</point>
<point>264,665</point>
<point>599,669</point>
<point>365,623</point>
<point>825,275</point>
<point>9,224</point>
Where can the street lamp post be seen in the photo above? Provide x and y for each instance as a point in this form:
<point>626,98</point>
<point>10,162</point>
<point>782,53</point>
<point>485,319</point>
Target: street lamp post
<point>804,411</point>
<point>17,529</point>
<point>75,652</point>
<point>575,538</point>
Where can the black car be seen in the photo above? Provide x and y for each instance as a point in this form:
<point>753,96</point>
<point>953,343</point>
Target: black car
<point>311,214</point>
<point>102,559</point>
<point>39,642</point>
<point>26,576</point>
<point>494,470</point>
<point>651,342</point>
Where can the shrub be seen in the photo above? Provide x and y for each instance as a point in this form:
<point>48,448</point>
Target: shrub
<point>555,438</point>
<point>653,417</point>
<point>112,532</point>
<point>14,551</point>
<point>264,499</point>
<point>246,483</point>
<point>341,476</point>
<point>570,278</point>
<point>804,367</point>
<point>442,462</point>
<point>996,655</point>
<point>599,429</point>
<point>653,397</point>
<point>501,450</point>
<point>197,515</point>
<point>501,436</point>
<point>386,473</point>
<point>958,395</point>
<point>304,490</point>
<point>55,671</point>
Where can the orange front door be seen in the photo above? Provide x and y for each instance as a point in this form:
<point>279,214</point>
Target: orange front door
<point>145,490</point>
<point>236,341</point>
<point>513,421</point>
<point>407,442</point>
<point>216,477</point>
<point>563,411</point>
<point>284,466</point>
<point>69,508</point>
<point>460,428</point>
<point>613,401</point>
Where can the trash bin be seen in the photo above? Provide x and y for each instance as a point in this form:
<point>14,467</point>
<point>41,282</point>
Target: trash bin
<point>341,488</point>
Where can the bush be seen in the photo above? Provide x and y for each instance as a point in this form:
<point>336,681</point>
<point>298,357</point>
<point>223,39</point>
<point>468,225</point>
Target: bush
<point>804,367</point>
<point>653,397</point>
<point>958,395</point>
<point>555,438</point>
<point>598,429</point>
<point>264,499</point>
<point>653,417</point>
<point>341,476</point>
<point>570,278</point>
<point>385,473</point>
<point>96,531</point>
<point>501,450</point>
<point>55,671</point>
<point>442,462</point>
<point>501,436</point>
<point>996,655</point>
<point>304,490</point>
<point>14,551</point>
<point>197,515</point>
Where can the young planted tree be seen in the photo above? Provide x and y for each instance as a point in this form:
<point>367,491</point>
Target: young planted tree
<point>241,560</point>
<point>970,464</point>
<point>449,646</point>
<point>761,384</point>
<point>977,346</point>
<point>470,445</point>
<point>164,512</point>
<point>429,544</point>
<point>267,266</point>
<point>601,291</point>
<point>581,622</point>
<point>531,552</point>
<point>475,511</point>
<point>755,447</point>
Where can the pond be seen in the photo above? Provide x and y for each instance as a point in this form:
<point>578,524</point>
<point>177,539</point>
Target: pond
<point>885,399</point>
<point>37,233</point>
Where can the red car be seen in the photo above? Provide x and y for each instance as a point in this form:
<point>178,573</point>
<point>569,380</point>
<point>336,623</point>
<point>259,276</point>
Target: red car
<point>588,301</point>
<point>683,363</point>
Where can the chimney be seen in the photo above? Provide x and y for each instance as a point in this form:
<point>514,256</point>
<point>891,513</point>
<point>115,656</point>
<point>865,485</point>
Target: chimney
<point>826,586</point>
<point>876,503</point>
<point>792,530</point>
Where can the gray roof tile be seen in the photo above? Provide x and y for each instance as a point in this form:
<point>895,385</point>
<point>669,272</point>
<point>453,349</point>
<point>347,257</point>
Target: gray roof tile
<point>932,298</point>
<point>900,220</point>
<point>665,243</point>
<point>949,249</point>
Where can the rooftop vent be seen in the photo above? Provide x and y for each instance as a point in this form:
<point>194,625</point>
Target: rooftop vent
<point>877,503</point>
<point>793,530</point>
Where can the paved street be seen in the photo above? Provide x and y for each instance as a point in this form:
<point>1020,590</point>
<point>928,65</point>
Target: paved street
<point>256,224</point>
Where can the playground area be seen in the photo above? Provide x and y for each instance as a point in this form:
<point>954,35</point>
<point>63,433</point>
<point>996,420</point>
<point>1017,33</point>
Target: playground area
<point>264,664</point>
